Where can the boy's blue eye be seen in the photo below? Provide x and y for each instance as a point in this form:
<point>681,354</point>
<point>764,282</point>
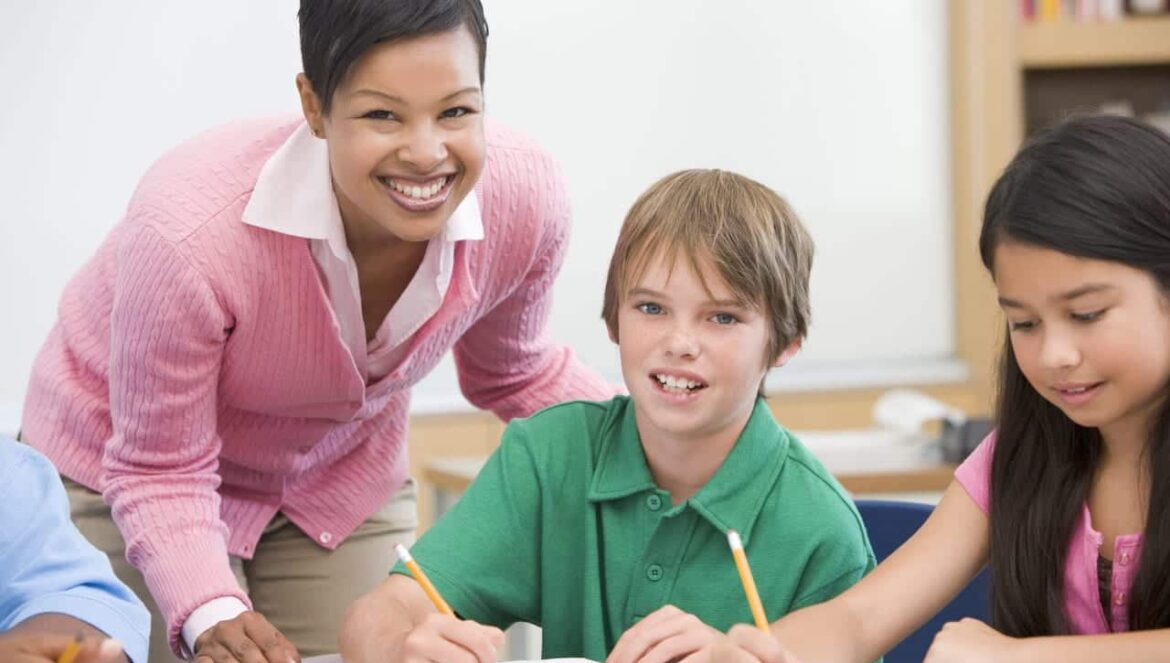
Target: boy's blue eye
<point>378,115</point>
<point>1088,317</point>
<point>649,308</point>
<point>1024,326</point>
<point>724,319</point>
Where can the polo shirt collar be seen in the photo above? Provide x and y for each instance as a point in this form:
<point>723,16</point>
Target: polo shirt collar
<point>736,493</point>
<point>621,468</point>
<point>293,195</point>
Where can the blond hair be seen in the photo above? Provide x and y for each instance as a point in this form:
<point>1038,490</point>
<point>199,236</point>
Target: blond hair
<point>747,231</point>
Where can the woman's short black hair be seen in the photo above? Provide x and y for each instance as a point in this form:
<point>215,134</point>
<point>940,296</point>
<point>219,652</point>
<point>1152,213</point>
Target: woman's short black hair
<point>335,33</point>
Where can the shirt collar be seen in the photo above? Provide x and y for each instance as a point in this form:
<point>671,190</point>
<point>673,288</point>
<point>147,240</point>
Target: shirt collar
<point>294,195</point>
<point>734,496</point>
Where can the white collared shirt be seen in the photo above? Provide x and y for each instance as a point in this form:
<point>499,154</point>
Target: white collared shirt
<point>294,196</point>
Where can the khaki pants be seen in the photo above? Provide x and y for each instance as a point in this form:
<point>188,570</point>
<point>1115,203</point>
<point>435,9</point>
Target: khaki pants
<point>300,587</point>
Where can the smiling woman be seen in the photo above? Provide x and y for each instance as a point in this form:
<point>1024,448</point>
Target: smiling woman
<point>232,369</point>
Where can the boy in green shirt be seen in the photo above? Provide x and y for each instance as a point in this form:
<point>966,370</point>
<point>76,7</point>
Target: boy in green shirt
<point>605,523</point>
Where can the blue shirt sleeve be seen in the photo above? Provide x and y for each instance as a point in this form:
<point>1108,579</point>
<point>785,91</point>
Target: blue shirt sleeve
<point>47,566</point>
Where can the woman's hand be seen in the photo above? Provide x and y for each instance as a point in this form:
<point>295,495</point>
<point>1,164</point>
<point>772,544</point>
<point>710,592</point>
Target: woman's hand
<point>667,634</point>
<point>36,647</point>
<point>970,641</point>
<point>249,638</point>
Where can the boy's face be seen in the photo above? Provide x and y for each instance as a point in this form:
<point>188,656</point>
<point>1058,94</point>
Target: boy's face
<point>692,359</point>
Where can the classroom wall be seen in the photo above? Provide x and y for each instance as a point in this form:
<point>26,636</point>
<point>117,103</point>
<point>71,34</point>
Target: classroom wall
<point>841,105</point>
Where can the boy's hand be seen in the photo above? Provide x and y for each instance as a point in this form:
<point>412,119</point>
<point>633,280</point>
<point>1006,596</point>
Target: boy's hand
<point>444,639</point>
<point>249,638</point>
<point>396,623</point>
<point>744,643</point>
<point>35,647</point>
<point>667,634</point>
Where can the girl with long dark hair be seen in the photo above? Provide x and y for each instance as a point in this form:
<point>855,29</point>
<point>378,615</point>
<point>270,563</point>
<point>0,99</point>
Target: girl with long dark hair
<point>1069,500</point>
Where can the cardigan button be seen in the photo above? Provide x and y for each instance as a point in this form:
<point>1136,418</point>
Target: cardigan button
<point>1119,598</point>
<point>325,537</point>
<point>1123,559</point>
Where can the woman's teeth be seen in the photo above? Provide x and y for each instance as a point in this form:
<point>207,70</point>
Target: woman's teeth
<point>418,191</point>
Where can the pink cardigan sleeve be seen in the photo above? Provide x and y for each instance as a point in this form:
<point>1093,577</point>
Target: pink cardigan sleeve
<point>506,361</point>
<point>159,467</point>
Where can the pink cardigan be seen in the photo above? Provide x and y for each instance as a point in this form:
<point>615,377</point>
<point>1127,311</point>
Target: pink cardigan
<point>196,375</point>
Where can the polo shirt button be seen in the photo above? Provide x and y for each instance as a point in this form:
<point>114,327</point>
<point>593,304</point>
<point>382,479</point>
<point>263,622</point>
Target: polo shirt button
<point>325,537</point>
<point>1119,598</point>
<point>654,572</point>
<point>1124,560</point>
<point>654,502</point>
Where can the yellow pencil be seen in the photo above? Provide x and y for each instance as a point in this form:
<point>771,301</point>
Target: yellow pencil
<point>71,650</point>
<point>745,577</point>
<point>421,578</point>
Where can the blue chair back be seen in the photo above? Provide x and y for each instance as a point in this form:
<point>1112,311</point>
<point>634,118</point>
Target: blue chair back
<point>889,524</point>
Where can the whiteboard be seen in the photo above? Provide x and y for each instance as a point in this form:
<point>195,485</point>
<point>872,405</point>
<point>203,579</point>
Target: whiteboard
<point>840,105</point>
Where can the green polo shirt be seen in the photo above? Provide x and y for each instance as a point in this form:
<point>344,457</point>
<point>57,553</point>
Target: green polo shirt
<point>565,528</point>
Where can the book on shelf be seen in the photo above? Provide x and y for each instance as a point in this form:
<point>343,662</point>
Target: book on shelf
<point>1087,11</point>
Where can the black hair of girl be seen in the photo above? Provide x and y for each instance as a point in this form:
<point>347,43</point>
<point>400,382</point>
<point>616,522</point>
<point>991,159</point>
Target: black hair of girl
<point>1099,188</point>
<point>336,33</point>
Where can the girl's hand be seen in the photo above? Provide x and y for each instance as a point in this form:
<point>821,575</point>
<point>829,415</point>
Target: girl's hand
<point>444,639</point>
<point>970,641</point>
<point>36,647</point>
<point>667,634</point>
<point>744,643</point>
<point>249,638</point>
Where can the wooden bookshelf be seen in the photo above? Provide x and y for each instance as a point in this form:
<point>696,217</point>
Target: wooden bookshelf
<point>1008,78</point>
<point>1065,44</point>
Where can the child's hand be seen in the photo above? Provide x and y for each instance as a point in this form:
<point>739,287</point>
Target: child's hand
<point>745,643</point>
<point>444,639</point>
<point>667,634</point>
<point>36,647</point>
<point>969,640</point>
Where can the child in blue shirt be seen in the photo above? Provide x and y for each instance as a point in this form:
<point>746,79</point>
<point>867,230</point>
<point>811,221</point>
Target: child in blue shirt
<point>55,586</point>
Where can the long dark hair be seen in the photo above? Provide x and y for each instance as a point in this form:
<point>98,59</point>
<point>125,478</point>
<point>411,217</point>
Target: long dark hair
<point>1092,187</point>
